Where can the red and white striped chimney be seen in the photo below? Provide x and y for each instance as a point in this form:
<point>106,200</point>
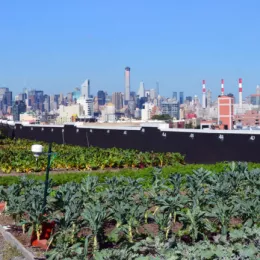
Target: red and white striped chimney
<point>222,87</point>
<point>240,92</point>
<point>203,93</point>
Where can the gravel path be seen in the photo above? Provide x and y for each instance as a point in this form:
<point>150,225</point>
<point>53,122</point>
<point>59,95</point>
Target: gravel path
<point>2,246</point>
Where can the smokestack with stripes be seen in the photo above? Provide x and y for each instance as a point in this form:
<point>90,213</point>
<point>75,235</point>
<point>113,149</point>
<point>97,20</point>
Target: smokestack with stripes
<point>203,93</point>
<point>240,92</point>
<point>222,87</point>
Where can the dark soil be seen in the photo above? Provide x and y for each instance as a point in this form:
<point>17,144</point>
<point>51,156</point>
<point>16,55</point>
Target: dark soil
<point>24,239</point>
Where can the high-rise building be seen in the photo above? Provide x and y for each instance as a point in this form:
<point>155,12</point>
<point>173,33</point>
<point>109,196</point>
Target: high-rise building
<point>5,100</point>
<point>101,98</point>
<point>35,99</point>
<point>127,85</point>
<point>46,103</point>
<point>88,106</point>
<point>225,112</point>
<point>147,94</point>
<point>117,100</point>
<point>141,90</point>
<point>171,107</point>
<point>141,101</point>
<point>85,88</point>
<point>9,98</point>
<point>76,94</point>
<point>181,98</point>
<point>152,94</point>
<point>189,98</point>
<point>18,108</point>
<point>61,99</point>
<point>174,96</point>
<point>53,103</point>
<point>131,107</point>
<point>69,97</point>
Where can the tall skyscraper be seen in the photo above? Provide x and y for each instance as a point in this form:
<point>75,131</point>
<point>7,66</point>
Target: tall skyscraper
<point>18,108</point>
<point>101,98</point>
<point>85,88</point>
<point>46,103</point>
<point>127,85</point>
<point>174,96</point>
<point>152,94</point>
<point>117,100</point>
<point>9,98</point>
<point>181,98</point>
<point>141,90</point>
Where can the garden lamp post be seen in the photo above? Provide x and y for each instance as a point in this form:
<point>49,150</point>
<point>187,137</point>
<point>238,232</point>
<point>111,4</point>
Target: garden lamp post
<point>37,150</point>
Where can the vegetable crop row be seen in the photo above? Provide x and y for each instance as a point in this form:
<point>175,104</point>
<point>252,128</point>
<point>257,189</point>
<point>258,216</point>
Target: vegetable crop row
<point>203,215</point>
<point>16,156</point>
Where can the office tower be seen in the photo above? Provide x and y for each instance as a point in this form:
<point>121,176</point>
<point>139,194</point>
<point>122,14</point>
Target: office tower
<point>189,98</point>
<point>152,94</point>
<point>131,107</point>
<point>141,90</point>
<point>181,98</point>
<point>174,96</point>
<point>85,88</point>
<point>3,90</point>
<point>101,98</point>
<point>70,98</point>
<point>141,101</point>
<point>36,99</point>
<point>132,95</point>
<point>61,99</point>
<point>117,100</point>
<point>87,105</point>
<point>76,94</point>
<point>22,96</point>
<point>127,85</point>
<point>18,108</point>
<point>5,99</point>
<point>46,103</point>
<point>9,98</point>
<point>53,103</point>
<point>26,92</point>
<point>147,94</point>
<point>171,107</point>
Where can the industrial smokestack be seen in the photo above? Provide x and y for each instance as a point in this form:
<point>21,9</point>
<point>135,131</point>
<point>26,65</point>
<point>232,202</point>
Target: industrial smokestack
<point>203,94</point>
<point>240,92</point>
<point>222,87</point>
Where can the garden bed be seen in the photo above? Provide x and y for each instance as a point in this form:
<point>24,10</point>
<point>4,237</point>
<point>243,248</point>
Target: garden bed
<point>201,214</point>
<point>23,238</point>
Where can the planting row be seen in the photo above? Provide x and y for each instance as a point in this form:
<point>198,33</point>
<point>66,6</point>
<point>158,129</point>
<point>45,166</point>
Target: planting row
<point>198,216</point>
<point>16,155</point>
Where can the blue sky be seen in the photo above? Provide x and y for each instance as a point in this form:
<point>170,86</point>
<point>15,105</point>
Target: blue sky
<point>55,45</point>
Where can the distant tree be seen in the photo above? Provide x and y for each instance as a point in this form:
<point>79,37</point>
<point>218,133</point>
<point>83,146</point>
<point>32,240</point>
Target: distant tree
<point>188,126</point>
<point>161,117</point>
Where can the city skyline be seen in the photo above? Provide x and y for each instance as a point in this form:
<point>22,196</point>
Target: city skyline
<point>54,46</point>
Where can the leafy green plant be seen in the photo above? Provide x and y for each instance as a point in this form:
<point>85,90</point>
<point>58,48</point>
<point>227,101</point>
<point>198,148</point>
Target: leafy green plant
<point>94,216</point>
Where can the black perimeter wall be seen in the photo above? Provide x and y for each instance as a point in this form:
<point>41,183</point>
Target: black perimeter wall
<point>203,148</point>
